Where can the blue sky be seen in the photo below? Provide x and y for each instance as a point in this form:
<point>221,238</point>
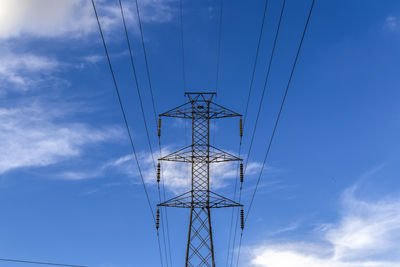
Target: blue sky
<point>70,192</point>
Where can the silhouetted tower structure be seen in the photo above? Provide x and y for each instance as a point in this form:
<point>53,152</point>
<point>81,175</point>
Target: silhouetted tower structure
<point>200,154</point>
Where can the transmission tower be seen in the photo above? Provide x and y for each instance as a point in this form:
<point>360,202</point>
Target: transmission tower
<point>200,154</point>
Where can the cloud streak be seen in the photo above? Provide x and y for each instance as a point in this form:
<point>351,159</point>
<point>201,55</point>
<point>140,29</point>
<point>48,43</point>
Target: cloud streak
<point>70,18</point>
<point>31,136</point>
<point>391,23</point>
<point>25,71</point>
<point>367,234</point>
<point>176,176</point>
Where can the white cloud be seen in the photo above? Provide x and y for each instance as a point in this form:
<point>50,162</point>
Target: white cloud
<point>80,175</point>
<point>93,59</point>
<point>27,19</point>
<point>70,18</point>
<point>392,23</point>
<point>176,176</point>
<point>289,228</point>
<point>156,10</point>
<point>45,18</point>
<point>368,234</point>
<point>23,71</point>
<point>32,136</point>
<point>368,229</point>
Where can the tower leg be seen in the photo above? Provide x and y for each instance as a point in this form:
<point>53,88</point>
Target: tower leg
<point>188,243</point>
<point>200,249</point>
<point>211,236</point>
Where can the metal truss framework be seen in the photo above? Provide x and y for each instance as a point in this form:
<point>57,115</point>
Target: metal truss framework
<point>200,200</point>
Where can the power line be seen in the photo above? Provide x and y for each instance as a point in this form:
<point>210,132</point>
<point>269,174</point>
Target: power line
<point>255,62</point>
<point>219,44</point>
<point>165,209</point>
<point>141,101</point>
<point>217,75</point>
<point>154,110</point>
<point>159,248</point>
<point>122,107</point>
<point>125,120</point>
<point>281,107</point>
<point>163,226</point>
<point>265,82</point>
<point>182,47</point>
<point>277,121</point>
<point>137,84</point>
<point>244,121</point>
<point>183,54</point>
<point>259,107</point>
<point>232,215</point>
<point>146,61</point>
<point>41,263</point>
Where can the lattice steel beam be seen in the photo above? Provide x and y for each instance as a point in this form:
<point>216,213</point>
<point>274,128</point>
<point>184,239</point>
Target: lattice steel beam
<point>200,154</point>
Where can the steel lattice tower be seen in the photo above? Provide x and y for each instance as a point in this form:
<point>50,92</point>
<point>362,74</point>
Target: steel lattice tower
<point>200,199</point>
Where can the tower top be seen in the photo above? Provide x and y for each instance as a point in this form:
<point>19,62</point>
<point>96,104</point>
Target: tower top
<point>200,96</point>
<point>200,103</point>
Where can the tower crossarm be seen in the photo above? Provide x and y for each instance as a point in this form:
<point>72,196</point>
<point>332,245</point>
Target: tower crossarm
<point>185,201</point>
<point>187,111</point>
<point>218,155</point>
<point>182,155</point>
<point>187,155</point>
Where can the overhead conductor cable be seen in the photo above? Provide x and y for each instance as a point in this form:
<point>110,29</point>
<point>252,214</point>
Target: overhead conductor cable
<point>141,102</point>
<point>40,263</point>
<point>276,122</point>
<point>126,123</point>
<point>242,124</point>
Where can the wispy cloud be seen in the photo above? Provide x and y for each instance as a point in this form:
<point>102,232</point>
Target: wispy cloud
<point>368,230</point>
<point>392,23</point>
<point>70,18</point>
<point>25,71</point>
<point>25,21</point>
<point>93,59</point>
<point>157,11</point>
<point>176,176</point>
<point>33,136</point>
<point>289,228</point>
<point>367,234</point>
<point>45,18</point>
